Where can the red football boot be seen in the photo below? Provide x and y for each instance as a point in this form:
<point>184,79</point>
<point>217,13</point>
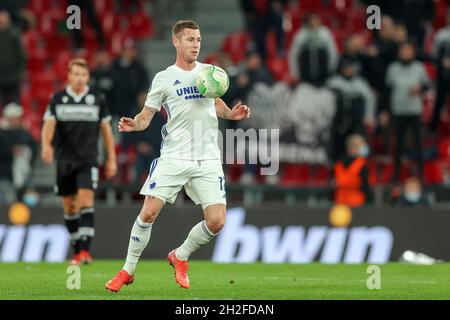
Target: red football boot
<point>85,257</point>
<point>120,279</point>
<point>76,260</point>
<point>181,268</point>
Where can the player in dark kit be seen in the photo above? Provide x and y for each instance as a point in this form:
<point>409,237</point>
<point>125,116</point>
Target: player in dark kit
<point>72,123</point>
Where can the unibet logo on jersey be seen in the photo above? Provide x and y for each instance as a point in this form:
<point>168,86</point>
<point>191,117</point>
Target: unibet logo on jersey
<point>189,93</point>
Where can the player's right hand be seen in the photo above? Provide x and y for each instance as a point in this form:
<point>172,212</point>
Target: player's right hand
<point>127,124</point>
<point>47,154</point>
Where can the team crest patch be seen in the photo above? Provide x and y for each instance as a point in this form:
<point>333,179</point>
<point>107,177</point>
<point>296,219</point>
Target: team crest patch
<point>65,99</point>
<point>90,99</point>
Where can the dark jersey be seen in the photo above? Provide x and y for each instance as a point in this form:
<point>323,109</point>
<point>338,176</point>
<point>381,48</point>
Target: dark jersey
<point>78,119</point>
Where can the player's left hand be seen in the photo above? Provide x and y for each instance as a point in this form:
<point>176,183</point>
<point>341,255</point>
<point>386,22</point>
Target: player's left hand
<point>110,169</point>
<point>240,111</point>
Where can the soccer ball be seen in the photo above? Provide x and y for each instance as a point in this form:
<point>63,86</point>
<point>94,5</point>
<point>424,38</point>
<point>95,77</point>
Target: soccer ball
<point>212,82</point>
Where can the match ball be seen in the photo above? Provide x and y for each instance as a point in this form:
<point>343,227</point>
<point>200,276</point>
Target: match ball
<point>212,82</point>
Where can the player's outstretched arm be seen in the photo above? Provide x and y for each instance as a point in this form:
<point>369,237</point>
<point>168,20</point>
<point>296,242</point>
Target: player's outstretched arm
<point>238,112</point>
<point>108,138</point>
<point>47,133</point>
<point>140,122</point>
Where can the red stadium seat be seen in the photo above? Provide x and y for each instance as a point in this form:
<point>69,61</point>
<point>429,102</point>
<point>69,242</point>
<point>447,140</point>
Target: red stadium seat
<point>141,26</point>
<point>36,61</point>
<point>31,41</point>
<point>103,7</point>
<point>440,11</point>
<point>39,7</point>
<point>321,175</point>
<point>55,43</point>
<point>42,86</point>
<point>295,174</point>
<point>111,24</point>
<point>279,68</point>
<point>310,5</point>
<point>234,172</point>
<point>433,172</point>
<point>52,22</point>
<point>60,65</point>
<point>236,45</point>
<point>444,148</point>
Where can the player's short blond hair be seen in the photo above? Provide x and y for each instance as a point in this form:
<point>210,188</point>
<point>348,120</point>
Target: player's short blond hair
<point>180,25</point>
<point>77,62</point>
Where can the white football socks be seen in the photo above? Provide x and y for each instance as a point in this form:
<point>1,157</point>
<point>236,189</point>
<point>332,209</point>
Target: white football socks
<point>140,235</point>
<point>199,236</point>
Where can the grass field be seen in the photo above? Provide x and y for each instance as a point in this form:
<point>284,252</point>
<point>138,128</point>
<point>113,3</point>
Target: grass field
<point>154,280</point>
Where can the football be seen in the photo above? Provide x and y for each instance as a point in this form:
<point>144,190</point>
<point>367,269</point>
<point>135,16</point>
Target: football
<point>212,82</point>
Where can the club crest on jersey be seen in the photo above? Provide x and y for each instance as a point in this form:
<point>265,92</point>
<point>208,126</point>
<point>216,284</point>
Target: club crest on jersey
<point>90,99</point>
<point>65,99</point>
<point>189,93</point>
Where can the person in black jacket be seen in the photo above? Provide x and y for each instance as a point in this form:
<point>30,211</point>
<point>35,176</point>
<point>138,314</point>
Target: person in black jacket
<point>12,60</point>
<point>17,153</point>
<point>261,17</point>
<point>441,55</point>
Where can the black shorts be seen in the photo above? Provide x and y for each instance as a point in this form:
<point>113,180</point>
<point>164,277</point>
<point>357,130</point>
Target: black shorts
<point>71,176</point>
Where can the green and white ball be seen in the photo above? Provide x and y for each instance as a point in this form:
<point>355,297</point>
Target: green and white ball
<point>212,82</point>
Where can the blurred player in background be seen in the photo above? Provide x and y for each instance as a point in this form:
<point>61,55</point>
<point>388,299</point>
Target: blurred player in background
<point>185,159</point>
<point>75,116</point>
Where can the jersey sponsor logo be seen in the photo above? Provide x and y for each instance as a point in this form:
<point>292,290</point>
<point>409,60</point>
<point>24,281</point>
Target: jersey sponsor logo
<point>189,93</point>
<point>244,243</point>
<point>77,112</point>
<point>177,82</point>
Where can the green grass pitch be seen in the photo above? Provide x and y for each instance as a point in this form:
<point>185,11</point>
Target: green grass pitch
<point>155,280</point>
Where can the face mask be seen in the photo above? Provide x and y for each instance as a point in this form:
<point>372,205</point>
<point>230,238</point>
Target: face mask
<point>412,196</point>
<point>364,151</point>
<point>31,199</point>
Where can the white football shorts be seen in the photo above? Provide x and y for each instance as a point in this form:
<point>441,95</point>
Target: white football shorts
<point>203,181</point>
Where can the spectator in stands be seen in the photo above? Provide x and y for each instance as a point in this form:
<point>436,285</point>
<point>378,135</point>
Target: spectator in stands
<point>132,83</point>
<point>412,195</point>
<point>87,6</point>
<point>383,52</point>
<point>12,60</point>
<point>441,56</point>
<point>17,153</point>
<point>417,16</point>
<point>313,55</point>
<point>130,90</point>
<point>20,16</point>
<point>406,79</point>
<point>355,106</point>
<point>262,17</point>
<point>352,175</point>
<point>250,72</point>
<point>102,76</point>
<point>353,51</point>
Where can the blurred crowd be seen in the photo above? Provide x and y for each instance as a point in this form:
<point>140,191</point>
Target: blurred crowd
<point>349,108</point>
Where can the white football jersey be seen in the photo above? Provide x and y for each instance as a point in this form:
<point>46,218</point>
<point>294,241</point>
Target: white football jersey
<point>191,129</point>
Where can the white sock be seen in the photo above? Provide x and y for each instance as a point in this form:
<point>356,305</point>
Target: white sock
<point>140,235</point>
<point>199,236</point>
